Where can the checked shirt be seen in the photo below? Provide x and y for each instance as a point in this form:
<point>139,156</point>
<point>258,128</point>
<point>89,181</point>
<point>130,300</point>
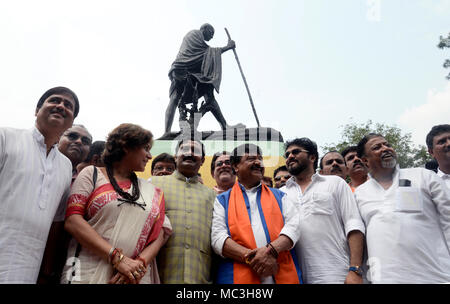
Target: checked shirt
<point>186,257</point>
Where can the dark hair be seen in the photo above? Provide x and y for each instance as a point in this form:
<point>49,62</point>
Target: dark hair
<point>321,160</point>
<point>348,150</point>
<point>360,148</point>
<point>435,131</point>
<point>185,140</point>
<point>307,144</point>
<point>163,157</point>
<point>432,165</point>
<point>282,168</point>
<point>96,148</point>
<point>239,151</point>
<point>60,90</point>
<point>215,157</point>
<point>124,136</point>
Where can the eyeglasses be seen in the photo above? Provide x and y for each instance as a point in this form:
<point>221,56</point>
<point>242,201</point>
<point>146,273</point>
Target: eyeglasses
<point>279,177</point>
<point>294,152</point>
<point>221,163</point>
<point>74,136</point>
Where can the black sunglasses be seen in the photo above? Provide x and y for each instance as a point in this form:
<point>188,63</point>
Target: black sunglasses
<point>278,178</point>
<point>294,152</point>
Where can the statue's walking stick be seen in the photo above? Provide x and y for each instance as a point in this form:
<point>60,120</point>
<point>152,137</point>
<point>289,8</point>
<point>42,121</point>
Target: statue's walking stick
<point>245,81</point>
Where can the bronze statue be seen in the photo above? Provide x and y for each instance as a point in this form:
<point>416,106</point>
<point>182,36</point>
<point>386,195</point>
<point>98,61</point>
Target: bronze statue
<point>196,72</point>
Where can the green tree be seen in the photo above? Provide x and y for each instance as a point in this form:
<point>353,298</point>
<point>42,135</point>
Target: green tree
<point>445,43</point>
<point>408,155</point>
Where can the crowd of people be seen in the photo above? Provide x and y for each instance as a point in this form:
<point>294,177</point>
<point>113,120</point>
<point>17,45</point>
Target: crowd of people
<point>74,211</point>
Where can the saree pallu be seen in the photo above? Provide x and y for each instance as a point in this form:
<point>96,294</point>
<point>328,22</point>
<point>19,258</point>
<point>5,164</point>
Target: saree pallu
<point>123,225</point>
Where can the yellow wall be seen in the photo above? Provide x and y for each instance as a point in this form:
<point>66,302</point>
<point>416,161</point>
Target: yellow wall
<point>272,152</point>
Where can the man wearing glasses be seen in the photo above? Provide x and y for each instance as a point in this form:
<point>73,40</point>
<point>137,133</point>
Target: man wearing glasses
<point>280,176</point>
<point>222,172</point>
<point>75,144</point>
<point>34,183</point>
<point>331,238</point>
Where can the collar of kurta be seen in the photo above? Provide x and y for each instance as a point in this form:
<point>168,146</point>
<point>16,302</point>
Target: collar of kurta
<point>254,189</point>
<point>40,139</point>
<point>394,174</point>
<point>292,181</point>
<point>442,174</point>
<point>189,180</point>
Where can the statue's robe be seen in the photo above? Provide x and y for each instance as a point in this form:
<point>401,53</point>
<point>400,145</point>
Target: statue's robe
<point>199,59</point>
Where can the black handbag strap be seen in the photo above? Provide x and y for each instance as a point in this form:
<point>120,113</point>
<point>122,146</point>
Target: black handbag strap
<point>77,251</point>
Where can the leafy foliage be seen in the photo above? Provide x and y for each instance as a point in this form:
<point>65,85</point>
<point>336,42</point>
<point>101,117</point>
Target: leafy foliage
<point>408,155</point>
<point>445,43</point>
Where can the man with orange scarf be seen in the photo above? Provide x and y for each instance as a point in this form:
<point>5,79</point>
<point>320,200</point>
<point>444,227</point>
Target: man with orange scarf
<point>254,227</point>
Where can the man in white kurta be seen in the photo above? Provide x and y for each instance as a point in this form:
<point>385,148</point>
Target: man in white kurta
<point>438,143</point>
<point>407,217</point>
<point>34,182</point>
<point>331,242</point>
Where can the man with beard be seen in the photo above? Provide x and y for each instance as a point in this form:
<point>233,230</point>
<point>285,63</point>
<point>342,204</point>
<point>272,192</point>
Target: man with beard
<point>332,163</point>
<point>254,227</point>
<point>186,257</point>
<point>222,172</point>
<point>331,240</point>
<point>280,176</point>
<point>406,212</point>
<point>75,144</point>
<point>438,142</point>
<point>34,184</point>
<point>356,169</point>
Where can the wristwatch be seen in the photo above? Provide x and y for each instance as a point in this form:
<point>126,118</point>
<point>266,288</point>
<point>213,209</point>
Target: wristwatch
<point>356,269</point>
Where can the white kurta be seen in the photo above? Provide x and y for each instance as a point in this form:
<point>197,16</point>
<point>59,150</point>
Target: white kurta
<point>219,230</point>
<point>408,228</point>
<point>33,191</point>
<point>327,213</point>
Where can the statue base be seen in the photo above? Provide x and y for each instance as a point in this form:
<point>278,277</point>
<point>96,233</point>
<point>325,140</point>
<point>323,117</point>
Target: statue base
<point>238,134</point>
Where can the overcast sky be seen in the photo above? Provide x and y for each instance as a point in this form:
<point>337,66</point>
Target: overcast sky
<point>312,66</point>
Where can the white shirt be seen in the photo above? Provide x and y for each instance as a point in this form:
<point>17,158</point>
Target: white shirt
<point>219,230</point>
<point>328,213</point>
<point>33,186</point>
<point>445,177</point>
<point>408,228</point>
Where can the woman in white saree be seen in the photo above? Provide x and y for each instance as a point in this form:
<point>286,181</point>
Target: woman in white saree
<point>117,220</point>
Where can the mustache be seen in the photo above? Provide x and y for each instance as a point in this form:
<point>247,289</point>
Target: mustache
<point>256,167</point>
<point>357,163</point>
<point>188,157</point>
<point>387,153</point>
<point>58,111</point>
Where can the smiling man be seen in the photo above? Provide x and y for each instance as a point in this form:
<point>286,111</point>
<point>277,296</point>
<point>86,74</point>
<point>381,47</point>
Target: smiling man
<point>254,227</point>
<point>222,172</point>
<point>34,183</point>
<point>406,212</point>
<point>186,257</point>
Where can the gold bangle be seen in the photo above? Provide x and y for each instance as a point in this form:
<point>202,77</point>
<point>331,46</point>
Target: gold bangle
<point>120,260</point>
